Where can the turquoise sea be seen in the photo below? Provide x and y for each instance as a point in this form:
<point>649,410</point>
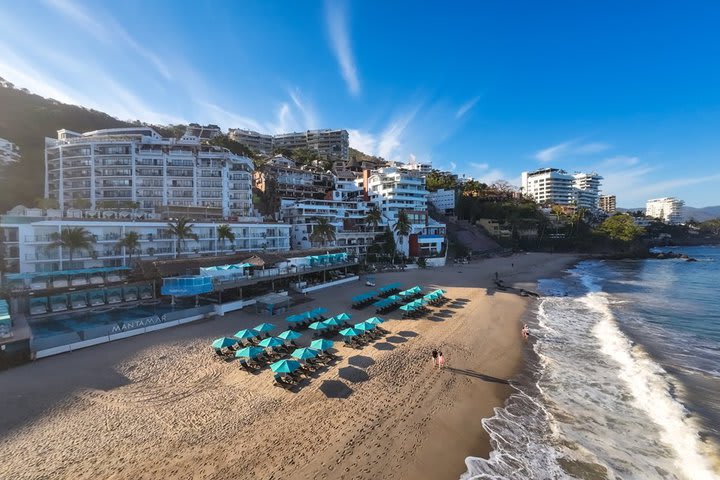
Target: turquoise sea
<point>623,377</point>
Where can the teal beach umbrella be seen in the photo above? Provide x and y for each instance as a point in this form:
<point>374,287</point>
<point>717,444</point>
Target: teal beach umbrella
<point>317,326</point>
<point>375,320</point>
<point>249,352</point>
<point>304,353</point>
<point>246,333</point>
<point>343,316</point>
<point>271,342</point>
<point>285,366</point>
<point>349,332</point>
<point>321,344</point>
<point>290,335</point>
<point>223,342</point>
<point>264,327</point>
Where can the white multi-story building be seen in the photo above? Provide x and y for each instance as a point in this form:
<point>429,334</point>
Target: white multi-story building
<point>9,152</point>
<point>346,216</point>
<point>136,165</point>
<point>552,186</point>
<point>549,186</point>
<point>587,190</point>
<point>443,200</point>
<point>668,209</point>
<point>331,144</point>
<point>257,142</point>
<point>28,240</point>
<point>291,181</point>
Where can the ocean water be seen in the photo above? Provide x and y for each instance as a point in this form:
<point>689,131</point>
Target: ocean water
<point>623,379</point>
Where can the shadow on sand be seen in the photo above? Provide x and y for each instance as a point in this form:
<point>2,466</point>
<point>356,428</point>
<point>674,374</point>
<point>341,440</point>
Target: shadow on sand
<point>479,375</point>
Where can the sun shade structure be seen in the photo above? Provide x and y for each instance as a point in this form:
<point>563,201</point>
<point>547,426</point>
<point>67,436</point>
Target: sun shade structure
<point>362,297</point>
<point>321,344</point>
<point>285,366</point>
<point>343,316</point>
<point>264,327</point>
<point>318,326</point>
<point>293,319</point>
<point>350,332</point>
<point>290,335</point>
<point>223,343</point>
<point>375,320</point>
<point>246,333</point>
<point>249,352</point>
<point>407,308</point>
<point>332,322</point>
<point>364,326</point>
<point>304,353</point>
<point>271,342</point>
<point>389,287</point>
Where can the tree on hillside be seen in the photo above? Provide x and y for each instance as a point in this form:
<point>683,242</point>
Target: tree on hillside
<point>72,239</point>
<point>374,217</point>
<point>402,226</point>
<point>323,232</point>
<point>46,203</point>
<point>711,226</point>
<point>181,230</point>
<point>235,147</point>
<point>437,180</point>
<point>621,228</point>
<point>130,242</point>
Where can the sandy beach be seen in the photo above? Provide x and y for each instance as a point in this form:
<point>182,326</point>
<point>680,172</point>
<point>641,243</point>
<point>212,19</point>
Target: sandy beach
<point>160,406</point>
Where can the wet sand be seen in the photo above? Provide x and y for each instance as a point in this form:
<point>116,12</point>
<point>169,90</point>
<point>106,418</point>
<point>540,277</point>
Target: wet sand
<point>159,405</point>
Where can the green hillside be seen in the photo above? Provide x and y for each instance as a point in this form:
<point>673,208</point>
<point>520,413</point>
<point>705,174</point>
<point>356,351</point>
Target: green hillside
<point>26,119</point>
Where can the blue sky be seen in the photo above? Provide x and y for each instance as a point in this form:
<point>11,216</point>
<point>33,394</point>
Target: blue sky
<point>488,89</point>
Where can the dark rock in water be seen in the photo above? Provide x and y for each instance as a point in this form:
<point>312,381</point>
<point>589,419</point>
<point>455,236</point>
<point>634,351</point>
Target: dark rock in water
<point>691,260</point>
<point>684,255</point>
<point>660,256</point>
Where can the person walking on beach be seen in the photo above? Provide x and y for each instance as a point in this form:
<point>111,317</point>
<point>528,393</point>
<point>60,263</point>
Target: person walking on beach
<point>525,332</point>
<point>435,357</point>
<point>441,360</point>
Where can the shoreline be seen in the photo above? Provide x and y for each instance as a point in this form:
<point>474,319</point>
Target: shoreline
<point>382,411</point>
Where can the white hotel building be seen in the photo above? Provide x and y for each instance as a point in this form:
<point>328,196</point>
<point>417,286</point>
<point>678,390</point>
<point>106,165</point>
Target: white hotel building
<point>27,241</point>
<point>668,209</point>
<point>123,165</point>
<point>557,187</point>
<point>9,152</point>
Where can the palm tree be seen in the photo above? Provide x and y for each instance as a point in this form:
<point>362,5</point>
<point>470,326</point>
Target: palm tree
<point>182,230</point>
<point>130,242</point>
<point>402,227</point>
<point>224,232</point>
<point>374,217</point>
<point>73,239</point>
<point>323,231</point>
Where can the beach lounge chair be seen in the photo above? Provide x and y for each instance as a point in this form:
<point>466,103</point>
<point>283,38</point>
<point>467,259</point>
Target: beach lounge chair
<point>114,298</point>
<point>145,294</point>
<point>247,367</point>
<point>280,381</point>
<point>130,295</point>
<point>79,303</point>
<point>59,307</point>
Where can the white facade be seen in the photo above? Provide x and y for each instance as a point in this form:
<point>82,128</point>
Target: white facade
<point>587,190</point>
<point>443,200</point>
<point>9,152</point>
<point>27,242</point>
<point>393,189</point>
<point>668,209</point>
<point>557,187</point>
<point>258,142</point>
<point>328,143</point>
<point>608,203</point>
<point>347,217</point>
<point>123,165</point>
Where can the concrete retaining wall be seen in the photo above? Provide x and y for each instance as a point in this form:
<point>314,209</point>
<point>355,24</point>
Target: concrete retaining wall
<point>330,284</point>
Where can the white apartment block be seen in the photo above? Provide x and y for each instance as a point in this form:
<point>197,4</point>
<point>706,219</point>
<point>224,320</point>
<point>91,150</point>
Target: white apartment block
<point>28,240</point>
<point>552,186</point>
<point>668,209</point>
<point>393,189</point>
<point>257,142</point>
<point>346,216</point>
<point>443,201</point>
<point>423,168</point>
<point>123,165</point>
<point>9,152</point>
<point>608,204</point>
<point>333,144</point>
<point>587,190</point>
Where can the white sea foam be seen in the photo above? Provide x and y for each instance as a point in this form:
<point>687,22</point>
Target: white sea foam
<point>651,387</point>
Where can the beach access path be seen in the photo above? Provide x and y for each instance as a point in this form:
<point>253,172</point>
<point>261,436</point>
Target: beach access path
<point>159,405</point>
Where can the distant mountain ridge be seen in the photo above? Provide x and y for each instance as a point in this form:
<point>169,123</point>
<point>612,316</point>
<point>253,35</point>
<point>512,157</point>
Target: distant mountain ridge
<point>699,214</point>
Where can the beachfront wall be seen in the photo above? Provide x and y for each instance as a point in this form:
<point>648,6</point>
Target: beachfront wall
<point>68,342</point>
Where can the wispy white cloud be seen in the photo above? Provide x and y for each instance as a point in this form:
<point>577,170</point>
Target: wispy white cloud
<point>571,147</point>
<point>305,109</point>
<point>337,26</point>
<point>107,30</point>
<point>668,187</point>
<point>466,107</point>
<point>620,160</point>
<point>366,142</point>
<point>479,166</point>
<point>392,136</point>
<point>453,166</point>
<point>218,115</point>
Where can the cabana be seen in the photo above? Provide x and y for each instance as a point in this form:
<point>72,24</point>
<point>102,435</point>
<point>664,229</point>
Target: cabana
<point>38,305</point>
<point>272,303</point>
<point>97,297</point>
<point>59,303</point>
<point>78,300</point>
<point>130,294</point>
<point>65,278</point>
<point>146,292</point>
<point>114,295</point>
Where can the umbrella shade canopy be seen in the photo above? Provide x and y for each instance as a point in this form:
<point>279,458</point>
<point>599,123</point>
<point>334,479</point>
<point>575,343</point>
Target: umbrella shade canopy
<point>343,316</point>
<point>332,322</point>
<point>304,353</point>
<point>321,344</point>
<point>223,342</point>
<point>293,319</point>
<point>247,333</point>
<point>290,335</point>
<point>318,326</point>
<point>271,342</point>
<point>440,291</point>
<point>264,327</point>
<point>320,310</point>
<point>407,308</point>
<point>285,366</point>
<point>394,298</point>
<point>365,325</point>
<point>249,352</point>
<point>375,320</point>
<point>349,332</point>
<point>416,289</point>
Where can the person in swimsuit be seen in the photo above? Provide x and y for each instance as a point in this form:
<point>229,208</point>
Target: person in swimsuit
<point>435,357</point>
<point>441,360</point>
